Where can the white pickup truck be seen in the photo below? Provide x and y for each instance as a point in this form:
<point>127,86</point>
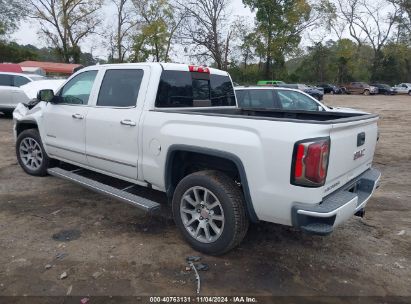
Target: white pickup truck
<point>176,128</point>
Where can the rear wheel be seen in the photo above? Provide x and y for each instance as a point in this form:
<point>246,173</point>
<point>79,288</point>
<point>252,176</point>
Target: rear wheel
<point>31,154</point>
<point>409,93</point>
<point>209,210</point>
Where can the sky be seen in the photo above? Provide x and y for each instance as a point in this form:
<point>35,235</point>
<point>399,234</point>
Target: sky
<point>28,31</point>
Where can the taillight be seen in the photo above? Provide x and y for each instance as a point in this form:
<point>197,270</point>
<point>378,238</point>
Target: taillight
<point>310,163</point>
<point>198,69</point>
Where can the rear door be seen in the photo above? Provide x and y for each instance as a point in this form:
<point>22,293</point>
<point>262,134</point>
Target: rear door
<point>6,97</point>
<point>352,150</point>
<point>112,143</point>
<point>6,80</point>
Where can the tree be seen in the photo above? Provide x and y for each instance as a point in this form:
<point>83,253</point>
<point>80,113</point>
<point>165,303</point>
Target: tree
<point>11,11</point>
<point>206,31</point>
<point>121,30</point>
<point>65,23</point>
<point>372,22</point>
<point>404,21</point>
<point>245,37</point>
<point>281,24</point>
<point>158,22</point>
<point>12,52</point>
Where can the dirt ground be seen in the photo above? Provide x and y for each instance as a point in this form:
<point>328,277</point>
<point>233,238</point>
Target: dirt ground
<point>116,250</point>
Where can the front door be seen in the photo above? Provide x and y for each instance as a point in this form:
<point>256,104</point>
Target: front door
<point>65,119</point>
<point>113,123</point>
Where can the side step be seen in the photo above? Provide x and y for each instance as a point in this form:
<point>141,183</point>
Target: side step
<point>119,194</point>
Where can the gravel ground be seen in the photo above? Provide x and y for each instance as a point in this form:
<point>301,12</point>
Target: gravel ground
<point>113,249</point>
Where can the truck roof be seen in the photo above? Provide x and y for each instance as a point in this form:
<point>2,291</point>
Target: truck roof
<point>164,66</point>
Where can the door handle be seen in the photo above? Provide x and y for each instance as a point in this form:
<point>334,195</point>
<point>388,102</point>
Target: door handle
<point>77,116</point>
<point>128,122</point>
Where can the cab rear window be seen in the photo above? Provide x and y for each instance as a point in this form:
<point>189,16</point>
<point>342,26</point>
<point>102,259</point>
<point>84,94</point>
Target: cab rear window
<point>193,89</point>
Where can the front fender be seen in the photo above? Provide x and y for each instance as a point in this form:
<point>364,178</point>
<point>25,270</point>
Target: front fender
<point>22,115</point>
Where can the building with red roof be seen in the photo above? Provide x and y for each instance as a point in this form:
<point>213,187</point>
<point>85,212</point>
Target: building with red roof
<point>10,67</point>
<point>53,67</point>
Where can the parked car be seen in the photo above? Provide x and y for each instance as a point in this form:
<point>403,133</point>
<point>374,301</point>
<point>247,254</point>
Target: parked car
<point>32,88</point>
<point>276,98</point>
<point>403,88</point>
<point>282,98</point>
<point>10,97</point>
<point>177,129</point>
<point>269,82</point>
<point>359,88</point>
<point>9,79</point>
<point>317,94</point>
<point>330,88</point>
<point>384,89</point>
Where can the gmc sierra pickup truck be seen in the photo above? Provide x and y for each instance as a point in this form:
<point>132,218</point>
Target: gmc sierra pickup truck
<point>176,128</point>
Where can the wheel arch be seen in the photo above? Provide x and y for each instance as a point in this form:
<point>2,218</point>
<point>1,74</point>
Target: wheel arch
<point>25,125</point>
<point>231,161</point>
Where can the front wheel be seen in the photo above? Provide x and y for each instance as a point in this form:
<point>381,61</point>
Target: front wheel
<point>366,93</point>
<point>31,154</point>
<point>209,210</point>
<point>409,93</point>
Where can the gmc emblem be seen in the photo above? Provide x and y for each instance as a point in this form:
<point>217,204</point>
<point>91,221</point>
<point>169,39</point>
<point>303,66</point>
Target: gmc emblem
<point>359,154</point>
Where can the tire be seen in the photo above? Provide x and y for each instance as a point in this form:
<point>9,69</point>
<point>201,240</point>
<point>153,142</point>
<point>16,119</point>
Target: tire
<point>31,154</point>
<point>8,113</point>
<point>409,93</point>
<point>227,208</point>
<point>366,93</point>
<point>332,92</point>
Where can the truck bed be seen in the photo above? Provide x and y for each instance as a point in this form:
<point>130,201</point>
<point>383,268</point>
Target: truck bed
<point>314,117</point>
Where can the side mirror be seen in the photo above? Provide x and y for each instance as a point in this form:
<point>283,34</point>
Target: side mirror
<point>45,95</point>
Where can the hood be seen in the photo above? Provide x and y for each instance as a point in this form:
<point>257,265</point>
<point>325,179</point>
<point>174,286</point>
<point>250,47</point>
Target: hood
<point>313,91</point>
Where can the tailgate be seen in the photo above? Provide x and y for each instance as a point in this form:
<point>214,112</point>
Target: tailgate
<point>352,151</point>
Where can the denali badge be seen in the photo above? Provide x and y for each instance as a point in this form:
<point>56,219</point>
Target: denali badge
<point>359,154</point>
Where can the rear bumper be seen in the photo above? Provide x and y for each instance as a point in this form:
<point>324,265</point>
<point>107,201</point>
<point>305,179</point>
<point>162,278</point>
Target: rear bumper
<point>337,207</point>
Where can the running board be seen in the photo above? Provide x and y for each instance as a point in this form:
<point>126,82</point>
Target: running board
<point>127,197</point>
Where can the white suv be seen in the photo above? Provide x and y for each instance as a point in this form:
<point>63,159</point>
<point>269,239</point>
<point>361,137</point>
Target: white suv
<point>10,93</point>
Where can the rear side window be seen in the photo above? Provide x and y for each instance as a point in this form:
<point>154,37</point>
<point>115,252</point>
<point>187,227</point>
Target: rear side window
<point>192,89</point>
<point>120,88</point>
<point>262,99</point>
<point>6,80</point>
<point>19,81</point>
